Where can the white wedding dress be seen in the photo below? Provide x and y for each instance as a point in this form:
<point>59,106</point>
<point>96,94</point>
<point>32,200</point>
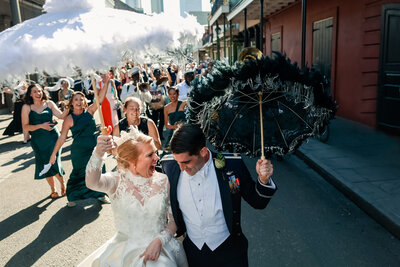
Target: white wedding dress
<point>142,212</point>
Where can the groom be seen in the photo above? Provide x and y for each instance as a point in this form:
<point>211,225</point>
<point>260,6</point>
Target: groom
<point>205,192</point>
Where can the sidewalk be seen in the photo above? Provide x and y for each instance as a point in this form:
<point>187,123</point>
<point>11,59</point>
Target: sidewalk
<point>364,164</point>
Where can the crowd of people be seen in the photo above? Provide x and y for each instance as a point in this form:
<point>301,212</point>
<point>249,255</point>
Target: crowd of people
<point>150,97</point>
<point>143,108</point>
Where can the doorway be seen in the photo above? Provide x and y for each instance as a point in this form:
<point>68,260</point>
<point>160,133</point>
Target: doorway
<point>389,70</point>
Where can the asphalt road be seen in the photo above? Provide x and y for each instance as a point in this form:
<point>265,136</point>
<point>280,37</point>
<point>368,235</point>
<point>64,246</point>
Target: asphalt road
<point>308,222</point>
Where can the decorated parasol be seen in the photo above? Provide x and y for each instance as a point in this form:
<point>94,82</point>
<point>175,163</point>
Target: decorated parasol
<point>260,104</point>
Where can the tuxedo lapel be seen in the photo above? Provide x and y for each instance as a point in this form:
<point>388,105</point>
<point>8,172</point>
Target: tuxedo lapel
<point>225,197</point>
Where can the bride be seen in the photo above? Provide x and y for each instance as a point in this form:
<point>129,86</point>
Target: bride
<point>140,202</point>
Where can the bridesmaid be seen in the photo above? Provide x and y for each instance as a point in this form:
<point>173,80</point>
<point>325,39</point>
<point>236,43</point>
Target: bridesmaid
<point>174,113</point>
<point>37,118</point>
<point>84,134</point>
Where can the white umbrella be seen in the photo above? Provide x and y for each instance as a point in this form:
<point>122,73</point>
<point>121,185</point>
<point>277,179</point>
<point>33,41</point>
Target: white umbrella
<point>85,34</point>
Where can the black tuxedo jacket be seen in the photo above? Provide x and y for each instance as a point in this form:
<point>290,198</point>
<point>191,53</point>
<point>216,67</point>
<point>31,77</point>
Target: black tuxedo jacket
<point>252,192</point>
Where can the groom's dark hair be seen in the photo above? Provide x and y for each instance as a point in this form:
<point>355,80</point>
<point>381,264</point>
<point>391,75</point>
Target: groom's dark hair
<point>188,138</point>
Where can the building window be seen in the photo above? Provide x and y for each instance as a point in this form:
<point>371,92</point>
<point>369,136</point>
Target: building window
<point>322,46</point>
<point>276,42</point>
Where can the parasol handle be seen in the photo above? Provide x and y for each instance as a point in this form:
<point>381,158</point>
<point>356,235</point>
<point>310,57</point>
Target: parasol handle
<point>96,96</point>
<point>103,128</point>
<point>261,125</point>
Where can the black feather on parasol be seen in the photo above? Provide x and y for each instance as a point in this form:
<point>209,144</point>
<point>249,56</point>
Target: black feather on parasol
<point>295,104</point>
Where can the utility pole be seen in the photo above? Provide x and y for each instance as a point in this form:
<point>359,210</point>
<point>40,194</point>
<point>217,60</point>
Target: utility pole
<point>303,32</point>
<point>261,26</point>
<point>15,12</point>
<point>246,36</point>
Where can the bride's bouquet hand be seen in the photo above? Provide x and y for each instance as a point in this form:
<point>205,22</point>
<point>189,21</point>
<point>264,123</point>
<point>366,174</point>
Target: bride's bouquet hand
<point>152,251</point>
<point>104,143</point>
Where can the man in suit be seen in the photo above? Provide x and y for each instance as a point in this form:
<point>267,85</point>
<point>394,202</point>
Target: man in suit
<point>205,193</point>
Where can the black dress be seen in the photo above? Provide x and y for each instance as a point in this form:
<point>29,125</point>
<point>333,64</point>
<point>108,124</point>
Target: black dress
<point>123,125</point>
<point>15,125</point>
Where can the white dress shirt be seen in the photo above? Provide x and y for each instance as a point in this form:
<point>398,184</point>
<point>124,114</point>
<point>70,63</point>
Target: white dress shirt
<point>183,90</point>
<point>129,90</point>
<point>200,201</point>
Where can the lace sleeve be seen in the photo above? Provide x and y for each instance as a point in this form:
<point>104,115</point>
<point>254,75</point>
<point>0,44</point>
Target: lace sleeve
<point>170,228</point>
<point>95,180</point>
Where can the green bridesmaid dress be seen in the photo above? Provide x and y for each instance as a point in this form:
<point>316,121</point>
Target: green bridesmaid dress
<point>84,140</point>
<point>43,142</point>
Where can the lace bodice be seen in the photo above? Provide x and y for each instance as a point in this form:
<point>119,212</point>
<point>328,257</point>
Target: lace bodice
<point>141,207</point>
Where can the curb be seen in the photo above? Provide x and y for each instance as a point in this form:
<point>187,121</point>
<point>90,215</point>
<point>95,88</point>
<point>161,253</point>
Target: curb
<point>333,178</point>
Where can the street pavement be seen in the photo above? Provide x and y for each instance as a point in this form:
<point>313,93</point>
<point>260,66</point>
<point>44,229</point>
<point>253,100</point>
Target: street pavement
<point>38,231</point>
<point>363,163</point>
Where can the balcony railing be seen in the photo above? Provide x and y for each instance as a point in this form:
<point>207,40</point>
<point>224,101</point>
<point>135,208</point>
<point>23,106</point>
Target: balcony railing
<point>218,3</point>
<point>208,38</point>
<point>234,3</point>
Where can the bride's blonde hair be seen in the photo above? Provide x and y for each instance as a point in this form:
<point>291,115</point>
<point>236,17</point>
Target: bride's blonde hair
<point>129,150</point>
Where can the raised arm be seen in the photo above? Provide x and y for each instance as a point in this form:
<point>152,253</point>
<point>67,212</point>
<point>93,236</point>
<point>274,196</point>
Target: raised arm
<point>95,180</point>
<point>67,124</point>
<point>256,193</point>
<point>56,111</point>
<point>102,94</point>
<point>54,88</point>
<point>7,90</point>
<point>146,96</point>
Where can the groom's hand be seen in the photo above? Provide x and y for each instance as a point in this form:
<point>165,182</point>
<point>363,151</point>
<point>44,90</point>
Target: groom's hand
<point>152,251</point>
<point>264,169</point>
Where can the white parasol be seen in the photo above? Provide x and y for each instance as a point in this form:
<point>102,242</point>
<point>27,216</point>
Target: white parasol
<point>85,34</point>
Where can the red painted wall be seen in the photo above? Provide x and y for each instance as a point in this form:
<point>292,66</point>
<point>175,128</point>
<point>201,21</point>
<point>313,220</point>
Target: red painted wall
<point>355,49</point>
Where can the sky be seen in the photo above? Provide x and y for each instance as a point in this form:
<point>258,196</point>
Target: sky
<point>171,7</point>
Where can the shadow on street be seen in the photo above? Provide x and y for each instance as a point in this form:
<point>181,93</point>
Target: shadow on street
<point>10,146</point>
<point>22,219</point>
<point>61,226</point>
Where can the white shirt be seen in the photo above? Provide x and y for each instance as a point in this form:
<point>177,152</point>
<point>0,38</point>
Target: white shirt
<point>200,201</point>
<point>183,90</point>
<point>129,90</point>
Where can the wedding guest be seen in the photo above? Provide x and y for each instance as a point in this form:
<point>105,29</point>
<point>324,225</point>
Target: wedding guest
<point>184,87</point>
<point>37,118</point>
<point>132,109</point>
<point>65,93</point>
<point>83,128</point>
<point>174,113</point>
<point>15,125</point>
<point>158,90</point>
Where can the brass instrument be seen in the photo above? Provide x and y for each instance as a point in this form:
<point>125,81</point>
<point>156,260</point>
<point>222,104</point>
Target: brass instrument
<point>250,52</point>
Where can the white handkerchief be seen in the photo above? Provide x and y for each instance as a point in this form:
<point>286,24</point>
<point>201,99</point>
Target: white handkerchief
<point>45,169</point>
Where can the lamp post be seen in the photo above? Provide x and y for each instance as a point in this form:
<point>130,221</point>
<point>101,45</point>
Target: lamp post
<point>218,30</point>
<point>224,36</point>
<point>246,36</point>
<point>16,14</point>
<point>303,32</point>
<point>230,43</point>
<point>261,26</point>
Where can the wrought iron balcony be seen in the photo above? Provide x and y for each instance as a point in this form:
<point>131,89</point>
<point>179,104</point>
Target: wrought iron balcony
<point>217,4</point>
<point>208,38</point>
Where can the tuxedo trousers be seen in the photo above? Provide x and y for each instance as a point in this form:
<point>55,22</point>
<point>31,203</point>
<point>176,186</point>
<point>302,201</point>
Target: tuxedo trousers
<point>232,252</point>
